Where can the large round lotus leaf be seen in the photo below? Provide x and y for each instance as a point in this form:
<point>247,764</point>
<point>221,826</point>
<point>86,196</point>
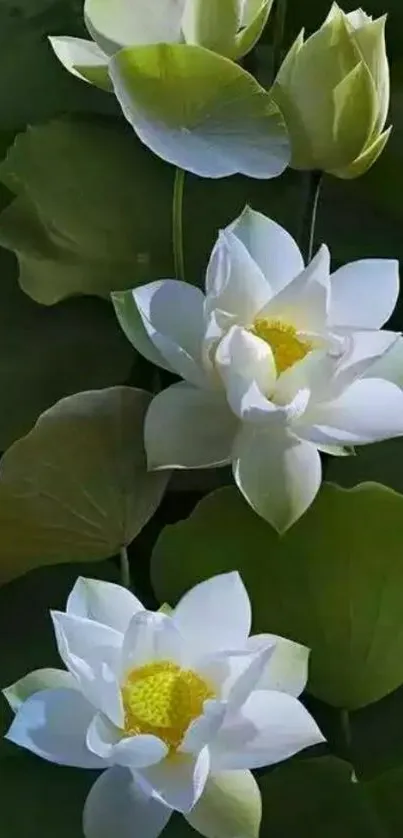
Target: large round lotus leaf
<point>334,581</point>
<point>92,212</point>
<point>77,485</point>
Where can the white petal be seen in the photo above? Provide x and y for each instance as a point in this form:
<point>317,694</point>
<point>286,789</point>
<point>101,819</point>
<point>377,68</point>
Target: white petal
<point>364,293</point>
<point>303,303</point>
<point>105,740</point>
<point>314,373</point>
<point>117,806</point>
<point>229,806</point>
<point>366,348</point>
<point>173,317</point>
<point>133,24</point>
<point>277,474</point>
<point>106,603</point>
<point>76,52</point>
<point>225,600</point>
<point>202,730</point>
<point>179,780</point>
<point>244,361</point>
<point>234,674</point>
<point>270,727</point>
<point>34,682</point>
<point>149,638</point>
<point>92,651</point>
<point>234,281</point>
<point>370,410</point>
<point>187,427</point>
<point>272,248</point>
<point>287,668</point>
<point>53,725</point>
<point>390,366</point>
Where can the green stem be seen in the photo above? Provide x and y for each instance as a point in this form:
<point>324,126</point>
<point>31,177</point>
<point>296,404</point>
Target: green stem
<point>310,214</point>
<point>124,568</point>
<point>177,224</point>
<point>374,821</point>
<point>346,733</point>
<point>280,14</point>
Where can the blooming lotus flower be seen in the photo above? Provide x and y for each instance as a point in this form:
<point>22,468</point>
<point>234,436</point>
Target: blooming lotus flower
<point>333,90</point>
<point>229,27</point>
<point>278,362</point>
<point>176,707</point>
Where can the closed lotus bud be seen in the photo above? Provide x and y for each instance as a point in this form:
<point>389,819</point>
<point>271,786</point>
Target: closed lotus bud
<point>229,27</point>
<point>333,90</point>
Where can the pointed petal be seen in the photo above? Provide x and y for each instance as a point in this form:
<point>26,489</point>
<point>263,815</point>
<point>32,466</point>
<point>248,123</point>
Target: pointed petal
<point>365,160</point>
<point>287,668</point>
<point>234,280</point>
<point>390,366</point>
<point>83,59</point>
<point>105,740</point>
<point>278,475</point>
<point>250,34</point>
<point>125,23</point>
<point>270,727</point>
<point>91,652</point>
<point>364,293</point>
<point>187,427</point>
<point>151,636</point>
<point>116,805</point>
<point>234,674</point>
<point>53,724</point>
<point>212,25</point>
<point>202,730</point>
<point>314,373</point>
<point>370,410</point>
<point>303,303</point>
<point>224,598</point>
<point>179,780</point>
<point>106,603</point>
<point>366,348</point>
<point>230,805</point>
<point>271,247</point>
<point>248,370</point>
<point>173,317</point>
<point>35,682</point>
<point>131,322</point>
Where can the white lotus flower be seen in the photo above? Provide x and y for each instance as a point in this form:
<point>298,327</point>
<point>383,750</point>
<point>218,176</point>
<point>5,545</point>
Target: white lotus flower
<point>176,707</point>
<point>278,361</point>
<point>229,27</point>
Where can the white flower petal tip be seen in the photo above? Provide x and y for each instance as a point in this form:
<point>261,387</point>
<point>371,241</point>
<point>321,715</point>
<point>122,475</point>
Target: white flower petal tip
<point>34,682</point>
<point>270,727</point>
<point>225,599</point>
<point>83,59</point>
<point>104,602</point>
<point>287,668</point>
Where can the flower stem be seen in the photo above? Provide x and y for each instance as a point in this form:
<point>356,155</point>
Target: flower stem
<point>280,14</point>
<point>124,568</point>
<point>377,829</point>
<point>346,732</point>
<point>310,214</point>
<point>177,224</point>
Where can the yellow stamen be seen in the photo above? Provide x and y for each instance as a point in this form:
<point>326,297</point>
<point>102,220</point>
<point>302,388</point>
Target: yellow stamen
<point>287,348</point>
<point>162,699</point>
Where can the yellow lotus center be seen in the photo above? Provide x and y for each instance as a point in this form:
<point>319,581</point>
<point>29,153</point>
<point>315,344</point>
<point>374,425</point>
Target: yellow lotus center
<point>286,346</point>
<point>162,699</point>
